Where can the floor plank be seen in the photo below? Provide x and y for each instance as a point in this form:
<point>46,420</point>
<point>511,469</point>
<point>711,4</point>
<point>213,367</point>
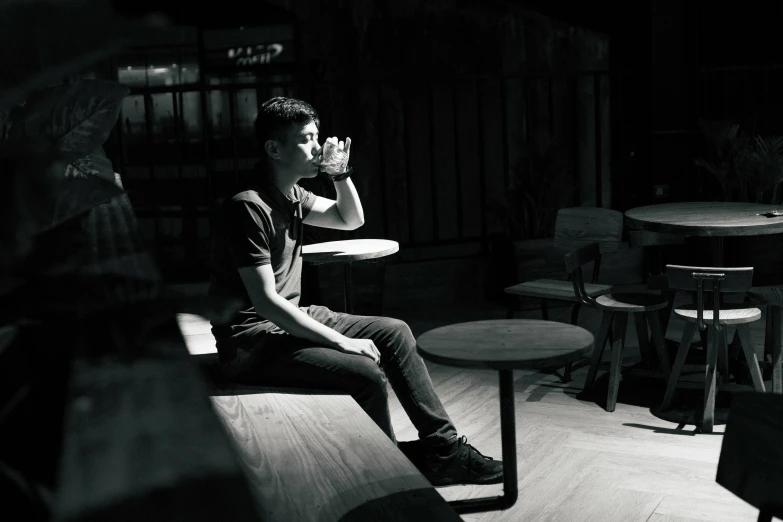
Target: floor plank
<point>594,498</point>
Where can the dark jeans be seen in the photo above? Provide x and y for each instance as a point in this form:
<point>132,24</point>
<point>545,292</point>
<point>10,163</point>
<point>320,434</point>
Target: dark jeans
<point>279,359</point>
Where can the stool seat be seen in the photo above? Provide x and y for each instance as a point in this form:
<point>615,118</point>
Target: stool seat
<point>503,344</point>
<point>632,302</point>
<point>726,316</point>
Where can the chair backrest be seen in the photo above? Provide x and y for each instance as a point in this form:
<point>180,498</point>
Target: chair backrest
<point>717,280</point>
<point>576,227</point>
<point>727,280</point>
<point>574,261</point>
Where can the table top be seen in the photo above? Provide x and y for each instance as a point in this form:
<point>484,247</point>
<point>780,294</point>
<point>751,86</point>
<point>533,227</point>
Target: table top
<point>348,250</point>
<point>505,344</point>
<point>706,218</point>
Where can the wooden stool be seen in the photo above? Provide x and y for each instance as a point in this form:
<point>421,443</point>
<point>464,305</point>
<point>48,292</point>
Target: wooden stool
<point>504,345</point>
<point>720,280</point>
<point>574,227</point>
<point>615,309</point>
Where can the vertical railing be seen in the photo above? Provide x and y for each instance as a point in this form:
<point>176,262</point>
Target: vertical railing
<point>426,173</point>
<point>478,178</point>
<point>748,102</point>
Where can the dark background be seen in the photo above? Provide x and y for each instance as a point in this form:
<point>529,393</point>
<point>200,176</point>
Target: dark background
<point>670,64</point>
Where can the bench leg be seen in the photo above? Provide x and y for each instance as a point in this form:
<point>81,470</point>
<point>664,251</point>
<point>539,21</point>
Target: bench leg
<point>508,441</point>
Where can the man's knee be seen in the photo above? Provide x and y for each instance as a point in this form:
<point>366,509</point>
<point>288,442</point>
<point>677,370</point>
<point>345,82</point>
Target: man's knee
<point>399,329</point>
<point>369,378</point>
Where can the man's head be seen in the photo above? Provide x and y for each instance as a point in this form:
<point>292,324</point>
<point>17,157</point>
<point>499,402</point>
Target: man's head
<point>287,131</point>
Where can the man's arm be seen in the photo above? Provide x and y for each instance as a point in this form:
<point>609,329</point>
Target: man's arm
<point>260,284</point>
<point>345,213</point>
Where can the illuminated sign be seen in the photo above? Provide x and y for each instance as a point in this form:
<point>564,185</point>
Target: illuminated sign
<point>229,50</point>
<point>255,54</point>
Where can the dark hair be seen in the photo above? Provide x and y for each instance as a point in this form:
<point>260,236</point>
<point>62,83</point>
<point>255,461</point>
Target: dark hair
<point>276,114</point>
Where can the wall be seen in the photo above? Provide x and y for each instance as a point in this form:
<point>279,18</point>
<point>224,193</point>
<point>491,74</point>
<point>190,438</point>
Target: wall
<point>438,97</point>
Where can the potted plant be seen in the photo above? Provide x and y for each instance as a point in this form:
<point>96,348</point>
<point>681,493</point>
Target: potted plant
<point>723,158</point>
<point>763,167</point>
<point>748,168</point>
<point>540,183</point>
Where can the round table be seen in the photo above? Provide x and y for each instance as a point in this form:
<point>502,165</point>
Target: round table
<point>347,252</point>
<point>712,219</point>
<point>504,345</point>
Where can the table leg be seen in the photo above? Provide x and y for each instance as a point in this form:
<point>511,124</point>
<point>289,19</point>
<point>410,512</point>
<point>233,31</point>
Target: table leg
<point>508,441</point>
<point>716,245</point>
<point>348,291</point>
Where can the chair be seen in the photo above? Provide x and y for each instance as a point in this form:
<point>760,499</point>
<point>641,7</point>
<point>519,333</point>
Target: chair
<point>720,280</point>
<point>615,308</point>
<point>574,227</point>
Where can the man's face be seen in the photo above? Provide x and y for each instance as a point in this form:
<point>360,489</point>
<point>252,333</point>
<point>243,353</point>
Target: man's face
<point>298,150</point>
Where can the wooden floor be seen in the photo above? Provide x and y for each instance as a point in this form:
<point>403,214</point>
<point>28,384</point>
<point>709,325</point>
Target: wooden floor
<point>576,462</point>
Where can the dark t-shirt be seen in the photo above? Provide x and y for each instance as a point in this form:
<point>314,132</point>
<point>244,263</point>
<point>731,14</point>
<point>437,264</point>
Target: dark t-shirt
<point>253,228</point>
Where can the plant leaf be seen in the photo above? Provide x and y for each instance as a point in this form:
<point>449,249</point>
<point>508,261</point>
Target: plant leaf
<point>68,120</point>
<point>46,193</point>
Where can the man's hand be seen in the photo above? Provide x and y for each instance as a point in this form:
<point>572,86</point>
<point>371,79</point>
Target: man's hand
<point>335,155</point>
<point>360,347</point>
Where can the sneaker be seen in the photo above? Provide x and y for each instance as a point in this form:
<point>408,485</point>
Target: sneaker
<point>466,465</point>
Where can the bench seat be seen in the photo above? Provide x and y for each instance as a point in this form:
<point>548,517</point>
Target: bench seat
<point>315,455</point>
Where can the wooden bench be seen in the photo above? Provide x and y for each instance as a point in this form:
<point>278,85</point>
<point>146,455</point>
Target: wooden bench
<point>314,455</point>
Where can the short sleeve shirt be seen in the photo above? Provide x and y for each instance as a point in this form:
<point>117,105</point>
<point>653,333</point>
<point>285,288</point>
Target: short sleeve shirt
<point>256,227</point>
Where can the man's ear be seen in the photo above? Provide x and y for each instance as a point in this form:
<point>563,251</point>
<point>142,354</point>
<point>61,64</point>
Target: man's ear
<point>272,148</point>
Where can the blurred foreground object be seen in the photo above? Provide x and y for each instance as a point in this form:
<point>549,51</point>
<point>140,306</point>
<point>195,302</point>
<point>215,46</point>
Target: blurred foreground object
<point>751,458</point>
<point>43,41</point>
<point>103,413</point>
